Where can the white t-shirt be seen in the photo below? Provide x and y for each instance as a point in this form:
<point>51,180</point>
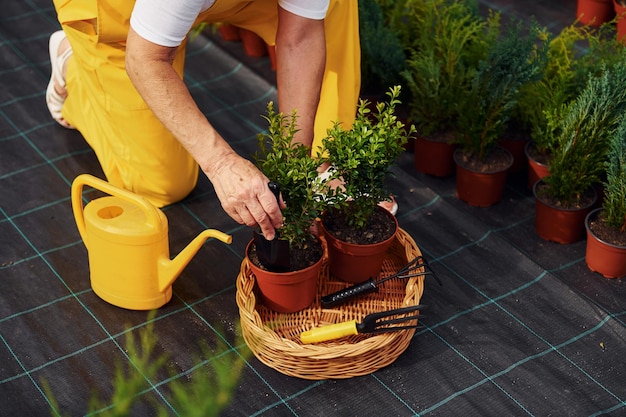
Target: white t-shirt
<point>167,22</point>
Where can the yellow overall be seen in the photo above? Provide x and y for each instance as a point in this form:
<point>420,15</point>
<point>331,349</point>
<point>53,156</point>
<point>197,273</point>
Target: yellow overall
<point>134,149</point>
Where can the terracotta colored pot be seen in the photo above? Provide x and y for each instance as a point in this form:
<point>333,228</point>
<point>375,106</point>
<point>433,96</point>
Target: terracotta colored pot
<point>536,169</point>
<point>620,25</point>
<point>229,32</point>
<point>595,12</point>
<point>253,44</point>
<point>434,157</point>
<point>286,292</point>
<point>516,147</point>
<point>480,189</point>
<point>557,224</point>
<point>356,263</point>
<point>602,257</point>
<point>271,51</point>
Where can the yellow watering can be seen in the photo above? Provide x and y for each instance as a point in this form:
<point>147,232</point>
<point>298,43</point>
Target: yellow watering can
<point>127,242</point>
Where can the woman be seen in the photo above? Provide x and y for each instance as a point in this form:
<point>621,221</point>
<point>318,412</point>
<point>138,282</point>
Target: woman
<point>117,78</point>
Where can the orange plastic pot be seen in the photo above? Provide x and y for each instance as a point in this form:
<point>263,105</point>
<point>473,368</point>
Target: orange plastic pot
<point>536,169</point>
<point>480,189</point>
<point>602,257</point>
<point>356,263</point>
<point>560,225</point>
<point>516,147</point>
<point>286,292</point>
<point>434,157</point>
<point>228,32</point>
<point>253,44</point>
<point>595,12</point>
<point>620,22</point>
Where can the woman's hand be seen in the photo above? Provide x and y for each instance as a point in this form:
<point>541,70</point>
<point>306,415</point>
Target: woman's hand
<point>244,194</point>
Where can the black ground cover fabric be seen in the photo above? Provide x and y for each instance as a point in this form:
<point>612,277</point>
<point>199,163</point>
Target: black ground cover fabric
<point>519,327</point>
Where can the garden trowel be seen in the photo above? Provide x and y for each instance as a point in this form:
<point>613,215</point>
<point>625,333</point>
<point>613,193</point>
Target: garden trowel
<point>273,254</point>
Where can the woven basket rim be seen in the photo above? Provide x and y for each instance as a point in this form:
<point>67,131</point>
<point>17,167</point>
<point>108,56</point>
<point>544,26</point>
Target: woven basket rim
<point>303,360</point>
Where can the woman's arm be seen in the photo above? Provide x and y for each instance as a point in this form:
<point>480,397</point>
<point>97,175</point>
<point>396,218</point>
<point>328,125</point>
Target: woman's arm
<point>301,58</point>
<point>240,186</point>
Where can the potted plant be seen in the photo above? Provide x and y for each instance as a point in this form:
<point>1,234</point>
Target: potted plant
<point>567,194</point>
<point>606,225</point>
<point>549,95</point>
<point>574,53</point>
<point>382,53</point>
<point>449,39</point>
<point>484,112</point>
<point>291,166</point>
<point>358,232</point>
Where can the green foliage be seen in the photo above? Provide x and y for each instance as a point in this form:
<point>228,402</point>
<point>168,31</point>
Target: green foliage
<point>208,391</point>
<point>572,55</point>
<point>614,203</point>
<point>291,165</point>
<point>382,54</point>
<point>363,155</point>
<point>584,129</point>
<point>484,111</point>
<point>448,39</point>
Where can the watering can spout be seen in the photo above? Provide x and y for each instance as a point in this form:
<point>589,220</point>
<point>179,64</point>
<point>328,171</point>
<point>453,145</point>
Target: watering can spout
<point>170,269</point>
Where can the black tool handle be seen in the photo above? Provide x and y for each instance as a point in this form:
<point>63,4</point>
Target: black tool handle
<point>275,188</point>
<point>347,293</point>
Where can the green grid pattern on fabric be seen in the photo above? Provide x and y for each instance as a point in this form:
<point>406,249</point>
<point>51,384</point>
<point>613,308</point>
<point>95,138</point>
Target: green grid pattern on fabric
<point>520,326</point>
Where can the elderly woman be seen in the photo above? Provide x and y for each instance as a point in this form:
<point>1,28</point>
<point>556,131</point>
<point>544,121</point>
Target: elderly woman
<point>117,70</point>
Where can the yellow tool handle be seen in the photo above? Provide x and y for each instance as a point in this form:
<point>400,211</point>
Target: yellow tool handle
<point>330,332</point>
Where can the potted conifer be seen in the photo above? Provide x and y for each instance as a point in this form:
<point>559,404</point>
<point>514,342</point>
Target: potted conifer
<point>606,226</point>
<point>567,194</point>
<point>358,232</point>
<point>574,53</point>
<point>291,166</point>
<point>447,41</point>
<point>485,110</point>
<point>382,53</point>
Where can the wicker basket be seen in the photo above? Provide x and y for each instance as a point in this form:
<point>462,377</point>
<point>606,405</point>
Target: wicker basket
<point>275,338</point>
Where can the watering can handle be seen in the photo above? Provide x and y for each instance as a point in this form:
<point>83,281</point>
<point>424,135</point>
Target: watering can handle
<point>86,179</point>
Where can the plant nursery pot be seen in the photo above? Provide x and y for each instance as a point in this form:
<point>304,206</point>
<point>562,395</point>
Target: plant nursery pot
<point>480,189</point>
<point>560,225</point>
<point>434,157</point>
<point>286,292</point>
<point>517,148</point>
<point>595,12</point>
<point>271,51</point>
<point>228,32</point>
<point>602,257</point>
<point>620,22</point>
<point>536,170</point>
<point>253,44</point>
<point>356,263</point>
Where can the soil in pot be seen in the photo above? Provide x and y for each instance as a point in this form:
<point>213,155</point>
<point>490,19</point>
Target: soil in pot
<point>607,233</point>
<point>379,228</point>
<point>605,252</point>
<point>299,258</point>
<point>481,183</point>
<point>288,292</point>
<point>561,223</point>
<point>357,255</point>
